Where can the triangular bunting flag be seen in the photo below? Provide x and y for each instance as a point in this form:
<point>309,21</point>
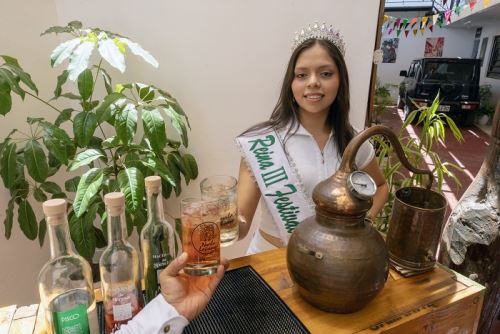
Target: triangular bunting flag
<point>390,31</point>
<point>424,21</point>
<point>431,27</point>
<point>434,18</point>
<point>415,32</point>
<point>413,21</point>
<point>444,2</point>
<point>406,33</point>
<point>486,3</point>
<point>422,30</point>
<point>386,17</point>
<point>396,23</point>
<point>398,32</point>
<point>472,3</point>
<point>458,9</point>
<point>440,20</point>
<point>447,16</point>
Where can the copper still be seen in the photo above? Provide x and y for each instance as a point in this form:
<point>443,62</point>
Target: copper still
<point>338,261</point>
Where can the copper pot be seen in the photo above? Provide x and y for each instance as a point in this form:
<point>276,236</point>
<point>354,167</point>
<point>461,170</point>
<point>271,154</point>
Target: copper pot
<point>338,261</point>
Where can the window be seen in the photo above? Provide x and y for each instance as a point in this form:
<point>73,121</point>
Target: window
<point>484,44</point>
<point>494,67</point>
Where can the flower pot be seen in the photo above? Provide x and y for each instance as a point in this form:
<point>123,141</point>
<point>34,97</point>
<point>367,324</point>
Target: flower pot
<point>483,119</point>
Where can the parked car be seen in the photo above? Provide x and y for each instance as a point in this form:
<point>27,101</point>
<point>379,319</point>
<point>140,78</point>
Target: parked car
<point>456,79</point>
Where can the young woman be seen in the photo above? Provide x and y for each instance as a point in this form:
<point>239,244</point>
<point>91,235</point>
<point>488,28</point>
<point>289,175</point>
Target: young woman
<point>302,142</point>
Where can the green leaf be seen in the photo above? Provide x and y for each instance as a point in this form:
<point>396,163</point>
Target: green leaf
<point>5,103</point>
<point>140,219</point>
<point>61,80</point>
<point>64,116</point>
<point>178,124</point>
<point>63,51</point>
<point>89,105</point>
<point>159,167</point>
<point>126,123</point>
<point>104,111</point>
<point>33,120</point>
<point>39,195</point>
<point>23,76</point>
<point>166,188</point>
<point>139,51</point>
<point>79,60</point>
<point>111,53</point>
<point>9,218</point>
<point>146,93</point>
<point>71,185</point>
<point>190,165</point>
<point>42,230</point>
<point>88,186</point>
<point>131,182</point>
<point>27,220</point>
<point>154,128</point>
<point>71,96</point>
<point>82,233</point>
<point>57,30</point>
<point>84,126</point>
<point>51,187</point>
<point>36,162</point>
<point>75,24</point>
<point>10,60</point>
<point>84,158</point>
<point>12,81</point>
<point>58,142</point>
<point>107,81</point>
<point>85,84</point>
<point>100,239</point>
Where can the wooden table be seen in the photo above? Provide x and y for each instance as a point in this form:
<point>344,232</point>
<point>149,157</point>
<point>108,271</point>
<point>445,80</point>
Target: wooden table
<point>440,301</point>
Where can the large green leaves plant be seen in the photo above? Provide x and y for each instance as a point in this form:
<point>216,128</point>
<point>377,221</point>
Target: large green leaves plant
<point>417,149</point>
<point>117,159</point>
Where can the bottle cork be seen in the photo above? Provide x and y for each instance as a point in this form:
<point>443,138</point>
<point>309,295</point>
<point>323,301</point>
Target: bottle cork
<point>153,183</point>
<point>55,211</point>
<point>115,203</point>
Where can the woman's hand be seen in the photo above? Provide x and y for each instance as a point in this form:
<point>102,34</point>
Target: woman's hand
<point>188,294</point>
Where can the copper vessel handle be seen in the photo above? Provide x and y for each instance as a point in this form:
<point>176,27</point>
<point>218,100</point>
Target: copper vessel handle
<point>347,164</point>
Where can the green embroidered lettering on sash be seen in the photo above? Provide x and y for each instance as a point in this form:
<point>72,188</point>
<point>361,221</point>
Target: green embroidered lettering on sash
<point>274,176</point>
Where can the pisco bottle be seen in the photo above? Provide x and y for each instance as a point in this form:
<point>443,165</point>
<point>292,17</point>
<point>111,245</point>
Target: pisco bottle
<point>119,267</point>
<point>157,238</point>
<point>65,281</point>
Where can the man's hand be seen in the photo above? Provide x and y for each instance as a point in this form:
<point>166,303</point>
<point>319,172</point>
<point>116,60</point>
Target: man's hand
<point>188,294</point>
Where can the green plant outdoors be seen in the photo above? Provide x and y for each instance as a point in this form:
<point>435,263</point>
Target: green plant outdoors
<point>382,100</point>
<point>117,159</point>
<point>417,150</point>
<point>485,105</point>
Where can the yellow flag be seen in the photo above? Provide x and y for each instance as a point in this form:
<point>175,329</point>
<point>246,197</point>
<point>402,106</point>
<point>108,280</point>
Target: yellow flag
<point>422,30</point>
<point>386,17</point>
<point>486,3</point>
<point>415,32</point>
<point>424,21</point>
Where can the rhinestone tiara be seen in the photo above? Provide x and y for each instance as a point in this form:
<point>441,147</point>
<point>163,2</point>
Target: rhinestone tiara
<point>317,31</point>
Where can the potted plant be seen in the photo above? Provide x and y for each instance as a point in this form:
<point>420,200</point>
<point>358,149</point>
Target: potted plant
<point>115,159</point>
<point>432,133</point>
<point>486,108</point>
<point>382,100</point>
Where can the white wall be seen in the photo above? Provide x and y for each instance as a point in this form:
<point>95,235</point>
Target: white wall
<point>224,61</point>
<point>491,29</point>
<point>457,43</point>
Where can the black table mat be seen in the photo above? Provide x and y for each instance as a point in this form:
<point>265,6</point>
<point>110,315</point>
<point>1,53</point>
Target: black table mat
<point>244,304</point>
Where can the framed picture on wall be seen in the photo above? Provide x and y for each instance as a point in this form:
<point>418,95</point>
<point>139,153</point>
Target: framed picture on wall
<point>389,48</point>
<point>434,47</point>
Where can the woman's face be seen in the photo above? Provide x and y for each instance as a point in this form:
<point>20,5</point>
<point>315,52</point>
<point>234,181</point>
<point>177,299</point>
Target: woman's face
<point>316,81</point>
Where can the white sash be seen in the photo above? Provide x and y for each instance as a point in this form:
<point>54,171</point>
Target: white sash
<point>278,184</point>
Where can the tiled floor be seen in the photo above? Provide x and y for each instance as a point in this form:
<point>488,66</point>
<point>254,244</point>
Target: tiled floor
<point>468,154</point>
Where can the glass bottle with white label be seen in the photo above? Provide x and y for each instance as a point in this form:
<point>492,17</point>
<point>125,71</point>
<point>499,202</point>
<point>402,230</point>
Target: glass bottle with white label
<point>65,281</point>
<point>157,238</point>
<point>119,266</point>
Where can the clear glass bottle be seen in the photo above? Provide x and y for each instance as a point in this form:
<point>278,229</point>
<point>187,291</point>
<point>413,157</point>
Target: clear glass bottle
<point>157,238</point>
<point>65,281</point>
<point>119,266</point>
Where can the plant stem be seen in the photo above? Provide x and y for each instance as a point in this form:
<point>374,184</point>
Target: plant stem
<point>43,101</point>
<point>95,80</point>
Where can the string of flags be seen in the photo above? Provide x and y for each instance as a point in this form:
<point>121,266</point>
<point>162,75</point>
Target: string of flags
<point>404,24</point>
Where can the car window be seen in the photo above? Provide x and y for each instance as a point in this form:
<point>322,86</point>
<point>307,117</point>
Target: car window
<point>411,71</point>
<point>418,70</point>
<point>453,71</point>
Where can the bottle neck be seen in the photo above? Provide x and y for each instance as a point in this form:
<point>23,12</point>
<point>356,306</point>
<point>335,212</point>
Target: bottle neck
<point>116,227</point>
<point>155,206</point>
<point>57,229</point>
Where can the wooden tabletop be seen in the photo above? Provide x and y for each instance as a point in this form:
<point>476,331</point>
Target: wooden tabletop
<point>433,302</point>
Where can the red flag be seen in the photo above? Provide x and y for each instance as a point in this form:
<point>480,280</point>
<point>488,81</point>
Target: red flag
<point>431,27</point>
<point>472,3</point>
<point>406,33</point>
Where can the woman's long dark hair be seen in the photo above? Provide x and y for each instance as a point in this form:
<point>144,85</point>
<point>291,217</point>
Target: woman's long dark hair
<point>286,110</point>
